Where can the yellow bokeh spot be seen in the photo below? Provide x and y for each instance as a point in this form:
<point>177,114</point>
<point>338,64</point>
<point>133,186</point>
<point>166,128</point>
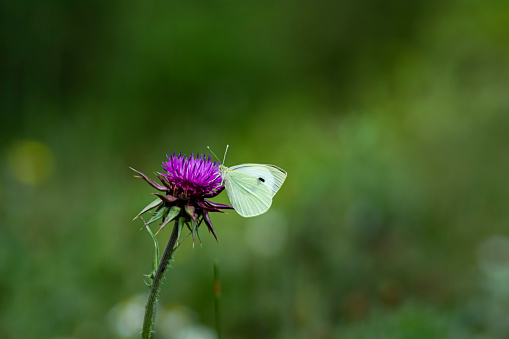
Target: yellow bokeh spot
<point>30,162</point>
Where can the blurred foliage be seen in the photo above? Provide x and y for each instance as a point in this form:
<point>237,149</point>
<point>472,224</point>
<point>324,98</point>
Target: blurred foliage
<point>391,119</point>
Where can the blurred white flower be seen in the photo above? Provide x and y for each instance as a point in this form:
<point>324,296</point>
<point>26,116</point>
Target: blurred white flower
<point>180,322</point>
<point>126,317</point>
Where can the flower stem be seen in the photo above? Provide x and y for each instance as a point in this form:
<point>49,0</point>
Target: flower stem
<point>217,296</point>
<point>150,308</point>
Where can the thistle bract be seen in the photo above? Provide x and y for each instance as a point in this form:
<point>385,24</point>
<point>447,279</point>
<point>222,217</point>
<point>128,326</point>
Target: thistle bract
<point>185,187</point>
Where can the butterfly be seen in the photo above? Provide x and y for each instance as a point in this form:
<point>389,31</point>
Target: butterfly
<point>250,187</point>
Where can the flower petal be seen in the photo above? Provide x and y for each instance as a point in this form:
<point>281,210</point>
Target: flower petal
<point>172,214</point>
<point>150,181</point>
<point>158,215</point>
<point>207,207</point>
<point>216,205</point>
<point>208,222</point>
<point>163,180</point>
<point>150,206</point>
<point>191,210</point>
<point>167,198</point>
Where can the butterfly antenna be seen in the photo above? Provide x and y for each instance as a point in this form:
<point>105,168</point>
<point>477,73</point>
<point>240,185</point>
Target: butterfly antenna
<point>212,152</point>
<point>224,157</point>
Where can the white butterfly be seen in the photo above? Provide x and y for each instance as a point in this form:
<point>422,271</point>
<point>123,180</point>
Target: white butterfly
<point>250,187</point>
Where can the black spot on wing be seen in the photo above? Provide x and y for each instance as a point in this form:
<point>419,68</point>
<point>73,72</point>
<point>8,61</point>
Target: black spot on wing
<point>261,179</point>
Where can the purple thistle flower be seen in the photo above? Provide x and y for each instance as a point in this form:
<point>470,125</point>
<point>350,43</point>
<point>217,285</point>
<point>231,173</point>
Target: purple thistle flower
<point>187,183</point>
<point>192,177</point>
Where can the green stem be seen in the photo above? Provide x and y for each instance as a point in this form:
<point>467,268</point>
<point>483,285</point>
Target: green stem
<point>217,296</point>
<point>150,309</point>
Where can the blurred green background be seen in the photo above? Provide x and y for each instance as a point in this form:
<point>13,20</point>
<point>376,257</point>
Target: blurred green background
<point>391,119</point>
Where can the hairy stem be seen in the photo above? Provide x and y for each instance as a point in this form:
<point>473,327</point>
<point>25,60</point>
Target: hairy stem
<point>150,308</point>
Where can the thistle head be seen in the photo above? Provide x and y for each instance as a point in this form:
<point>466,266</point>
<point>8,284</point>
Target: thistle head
<point>186,185</point>
<point>190,177</point>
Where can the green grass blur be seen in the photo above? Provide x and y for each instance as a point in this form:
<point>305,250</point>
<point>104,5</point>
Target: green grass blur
<point>391,119</point>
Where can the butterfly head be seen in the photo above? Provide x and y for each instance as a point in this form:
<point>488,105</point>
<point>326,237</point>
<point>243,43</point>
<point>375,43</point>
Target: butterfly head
<point>222,169</point>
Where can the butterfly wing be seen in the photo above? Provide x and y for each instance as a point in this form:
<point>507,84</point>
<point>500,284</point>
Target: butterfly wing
<point>270,175</point>
<point>248,195</point>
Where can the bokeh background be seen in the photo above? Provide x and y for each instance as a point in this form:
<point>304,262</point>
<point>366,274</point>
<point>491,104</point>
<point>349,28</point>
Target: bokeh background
<point>391,119</point>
